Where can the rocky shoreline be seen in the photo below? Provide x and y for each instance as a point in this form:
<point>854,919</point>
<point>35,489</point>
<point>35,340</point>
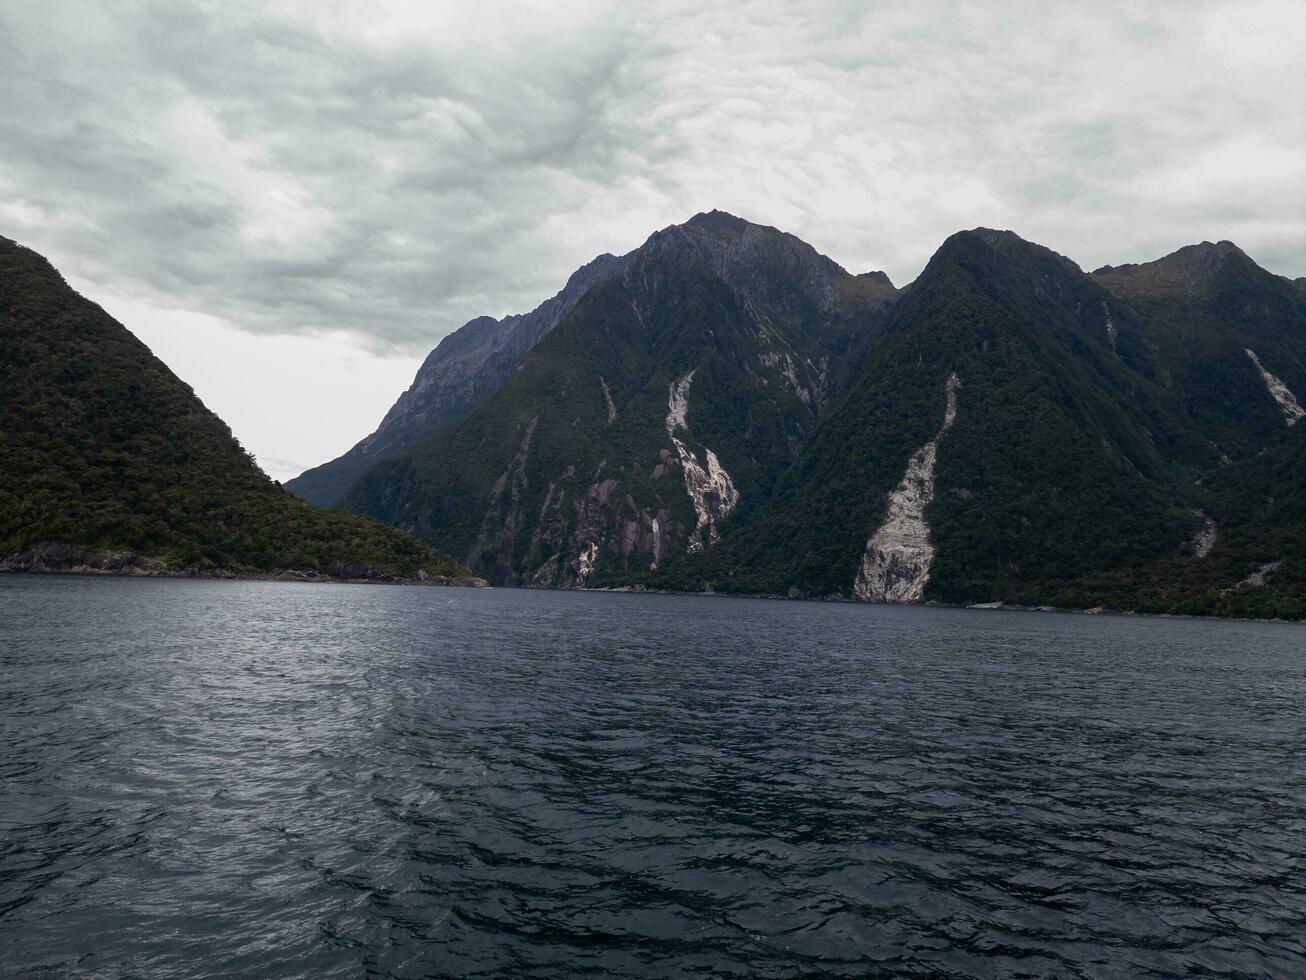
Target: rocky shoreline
<point>57,558</point>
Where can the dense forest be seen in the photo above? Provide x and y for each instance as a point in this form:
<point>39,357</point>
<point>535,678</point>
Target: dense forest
<point>103,448</point>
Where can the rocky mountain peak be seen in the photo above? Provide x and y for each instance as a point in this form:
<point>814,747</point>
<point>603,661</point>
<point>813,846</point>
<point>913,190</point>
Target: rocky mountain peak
<point>877,277</point>
<point>720,222</point>
<point>997,261</point>
<point>1203,259</point>
<point>1191,270</point>
<point>766,265</point>
<point>1011,245</point>
<point>996,237</point>
<point>465,367</point>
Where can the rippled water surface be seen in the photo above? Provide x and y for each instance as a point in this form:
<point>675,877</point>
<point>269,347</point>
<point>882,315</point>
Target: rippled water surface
<point>261,779</point>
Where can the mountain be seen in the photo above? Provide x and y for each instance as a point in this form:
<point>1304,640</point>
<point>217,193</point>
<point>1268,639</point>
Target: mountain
<point>734,412</point>
<point>674,390</point>
<point>468,365</point>
<point>1224,334</point>
<point>999,444</point>
<point>108,462</point>
<point>1025,433</point>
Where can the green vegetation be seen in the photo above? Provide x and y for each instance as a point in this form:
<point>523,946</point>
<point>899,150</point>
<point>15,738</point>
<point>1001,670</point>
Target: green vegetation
<point>1053,438</point>
<point>102,447</point>
<point>1078,459</point>
<point>465,368</point>
<point>1097,416</point>
<point>525,482</point>
<point>1101,421</point>
<point>1200,309</point>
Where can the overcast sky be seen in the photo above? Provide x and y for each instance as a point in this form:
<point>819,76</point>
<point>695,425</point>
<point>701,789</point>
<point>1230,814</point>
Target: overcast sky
<point>293,202</point>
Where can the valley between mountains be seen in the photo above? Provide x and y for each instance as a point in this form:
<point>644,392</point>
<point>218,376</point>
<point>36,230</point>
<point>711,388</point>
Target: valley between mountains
<point>726,410</point>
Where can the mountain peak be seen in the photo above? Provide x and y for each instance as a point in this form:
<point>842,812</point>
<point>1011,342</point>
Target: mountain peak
<point>988,251</point>
<point>715,220</point>
<point>877,277</point>
<point>142,466</point>
<point>1010,244</point>
<point>1205,257</point>
<point>1191,269</point>
<point>31,259</point>
<point>1001,240</point>
<point>995,236</point>
<point>757,259</point>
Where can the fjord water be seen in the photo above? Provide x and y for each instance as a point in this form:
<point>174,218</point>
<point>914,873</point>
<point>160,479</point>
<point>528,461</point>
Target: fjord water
<point>263,779</point>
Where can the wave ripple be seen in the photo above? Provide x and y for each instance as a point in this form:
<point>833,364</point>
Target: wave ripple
<point>276,780</point>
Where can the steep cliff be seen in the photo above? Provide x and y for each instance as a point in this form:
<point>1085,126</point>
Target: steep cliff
<point>1114,440</point>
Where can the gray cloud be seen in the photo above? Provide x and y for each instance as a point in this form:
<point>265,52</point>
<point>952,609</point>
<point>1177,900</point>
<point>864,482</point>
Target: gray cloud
<point>394,174</point>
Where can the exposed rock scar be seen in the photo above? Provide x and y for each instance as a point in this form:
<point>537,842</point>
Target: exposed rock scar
<point>896,564</point>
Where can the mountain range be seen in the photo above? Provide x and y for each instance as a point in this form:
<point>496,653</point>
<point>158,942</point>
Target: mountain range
<point>725,409</point>
<point>109,463</point>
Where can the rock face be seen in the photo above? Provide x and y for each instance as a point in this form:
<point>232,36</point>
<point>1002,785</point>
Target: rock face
<point>467,366</point>
<point>896,566</point>
<point>1206,536</point>
<point>53,556</point>
<point>710,490</point>
<point>1256,580</point>
<point>1284,398</point>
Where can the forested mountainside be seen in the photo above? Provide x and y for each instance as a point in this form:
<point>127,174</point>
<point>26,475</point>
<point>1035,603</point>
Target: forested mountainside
<point>1217,326</point>
<point>1054,438</point>
<point>466,367</point>
<point>733,411</point>
<point>109,462</point>
<point>673,390</point>
<point>1078,471</point>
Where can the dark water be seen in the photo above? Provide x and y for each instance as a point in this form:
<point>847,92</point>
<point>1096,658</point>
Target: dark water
<point>255,779</point>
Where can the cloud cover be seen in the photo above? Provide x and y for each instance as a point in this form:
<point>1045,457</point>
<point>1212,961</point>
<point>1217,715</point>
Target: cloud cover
<point>307,167</point>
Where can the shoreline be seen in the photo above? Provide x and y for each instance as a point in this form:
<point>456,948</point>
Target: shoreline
<point>59,559</point>
<point>285,575</point>
<point>128,565</point>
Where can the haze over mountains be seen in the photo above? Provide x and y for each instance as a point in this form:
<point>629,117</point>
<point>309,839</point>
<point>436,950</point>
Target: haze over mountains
<point>724,408</point>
